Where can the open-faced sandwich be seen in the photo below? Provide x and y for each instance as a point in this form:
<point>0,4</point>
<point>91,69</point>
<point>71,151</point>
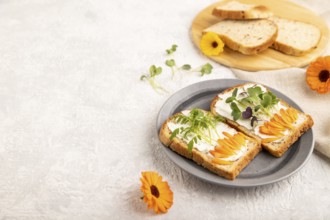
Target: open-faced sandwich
<point>205,138</point>
<point>254,110</point>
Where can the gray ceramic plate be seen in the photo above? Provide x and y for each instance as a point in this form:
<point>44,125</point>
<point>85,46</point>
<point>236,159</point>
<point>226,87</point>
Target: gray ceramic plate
<point>264,169</point>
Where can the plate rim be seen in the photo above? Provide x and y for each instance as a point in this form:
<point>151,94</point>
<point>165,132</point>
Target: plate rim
<point>224,182</point>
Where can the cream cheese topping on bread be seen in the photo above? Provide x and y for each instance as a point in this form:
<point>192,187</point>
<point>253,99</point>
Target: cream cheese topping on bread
<point>215,134</point>
<point>223,108</point>
<point>227,157</point>
<point>278,124</point>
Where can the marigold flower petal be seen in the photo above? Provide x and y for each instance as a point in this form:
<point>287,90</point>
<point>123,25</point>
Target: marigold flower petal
<point>318,75</point>
<point>211,44</point>
<point>157,193</point>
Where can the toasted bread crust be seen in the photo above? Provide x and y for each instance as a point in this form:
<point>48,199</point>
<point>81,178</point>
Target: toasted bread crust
<point>228,171</point>
<point>287,49</point>
<point>273,148</point>
<point>278,150</point>
<point>281,44</point>
<point>256,12</point>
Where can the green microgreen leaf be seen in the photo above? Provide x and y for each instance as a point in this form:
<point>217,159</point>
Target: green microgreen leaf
<point>236,112</point>
<point>190,145</point>
<point>199,123</point>
<point>186,67</point>
<point>170,63</point>
<point>154,71</point>
<point>254,91</point>
<point>220,118</point>
<point>248,100</point>
<point>174,133</point>
<point>206,69</point>
<point>172,49</point>
<point>234,106</point>
<point>230,99</point>
<point>266,100</point>
<point>257,108</point>
<point>151,78</point>
<point>234,94</point>
<point>236,115</point>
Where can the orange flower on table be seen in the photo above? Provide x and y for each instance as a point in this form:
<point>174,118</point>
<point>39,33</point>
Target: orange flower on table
<point>157,193</point>
<point>211,44</point>
<point>318,75</point>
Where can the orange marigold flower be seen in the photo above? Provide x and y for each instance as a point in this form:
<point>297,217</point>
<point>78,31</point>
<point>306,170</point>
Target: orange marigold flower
<point>318,75</point>
<point>157,193</point>
<point>211,44</point>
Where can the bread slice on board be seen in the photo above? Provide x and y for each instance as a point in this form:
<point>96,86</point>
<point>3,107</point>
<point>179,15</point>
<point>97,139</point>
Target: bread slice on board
<point>236,10</point>
<point>294,37</point>
<point>206,154</point>
<point>247,37</point>
<point>278,137</point>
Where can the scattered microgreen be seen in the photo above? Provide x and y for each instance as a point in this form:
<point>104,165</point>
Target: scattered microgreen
<point>186,67</point>
<point>199,127</point>
<point>254,101</point>
<point>206,69</point>
<point>172,49</point>
<point>150,78</point>
<point>172,64</point>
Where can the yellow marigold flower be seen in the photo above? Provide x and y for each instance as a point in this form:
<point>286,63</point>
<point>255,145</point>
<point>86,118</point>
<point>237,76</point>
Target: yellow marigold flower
<point>157,193</point>
<point>211,44</point>
<point>318,75</point>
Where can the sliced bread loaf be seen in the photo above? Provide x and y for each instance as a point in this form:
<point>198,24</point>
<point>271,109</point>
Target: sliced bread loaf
<point>294,37</point>
<point>248,37</point>
<point>236,10</point>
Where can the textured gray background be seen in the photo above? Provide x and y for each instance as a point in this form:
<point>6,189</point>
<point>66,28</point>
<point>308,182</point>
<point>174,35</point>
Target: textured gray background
<point>77,125</point>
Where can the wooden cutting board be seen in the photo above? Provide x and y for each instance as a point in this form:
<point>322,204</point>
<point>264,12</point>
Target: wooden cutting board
<point>269,59</point>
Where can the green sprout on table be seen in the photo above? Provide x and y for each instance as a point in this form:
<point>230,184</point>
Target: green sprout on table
<point>150,78</point>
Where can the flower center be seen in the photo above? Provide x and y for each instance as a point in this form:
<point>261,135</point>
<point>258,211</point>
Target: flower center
<point>324,75</point>
<point>214,44</point>
<point>154,191</point>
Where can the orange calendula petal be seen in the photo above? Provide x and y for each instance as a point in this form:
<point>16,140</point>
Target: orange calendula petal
<point>156,191</point>
<point>225,144</point>
<point>268,140</point>
<point>224,150</point>
<point>239,139</point>
<point>318,75</point>
<point>221,162</point>
<point>227,134</point>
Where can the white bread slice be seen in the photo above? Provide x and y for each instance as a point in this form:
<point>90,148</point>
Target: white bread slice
<point>276,148</point>
<point>294,37</point>
<point>247,37</point>
<point>236,10</point>
<point>230,172</point>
